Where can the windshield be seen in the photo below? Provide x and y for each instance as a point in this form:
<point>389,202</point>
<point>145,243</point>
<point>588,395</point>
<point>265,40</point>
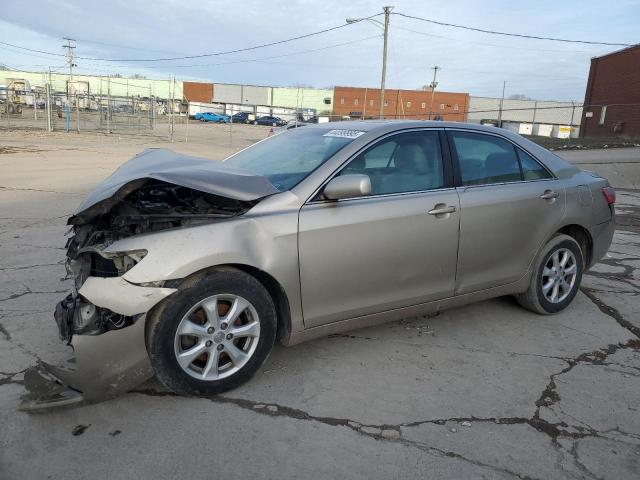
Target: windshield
<point>288,158</point>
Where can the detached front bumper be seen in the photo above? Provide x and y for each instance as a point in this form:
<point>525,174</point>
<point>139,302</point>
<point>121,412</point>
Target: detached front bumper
<point>106,364</point>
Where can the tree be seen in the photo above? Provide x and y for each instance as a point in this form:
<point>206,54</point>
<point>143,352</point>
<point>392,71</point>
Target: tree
<point>519,96</point>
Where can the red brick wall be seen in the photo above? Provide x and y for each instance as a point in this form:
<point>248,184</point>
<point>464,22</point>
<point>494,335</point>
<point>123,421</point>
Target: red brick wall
<point>614,80</point>
<point>197,92</point>
<point>402,104</point>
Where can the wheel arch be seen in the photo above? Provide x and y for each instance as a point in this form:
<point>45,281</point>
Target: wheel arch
<point>274,288</point>
<point>581,235</point>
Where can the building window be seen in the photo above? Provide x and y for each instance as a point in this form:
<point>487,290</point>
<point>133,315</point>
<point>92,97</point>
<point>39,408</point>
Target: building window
<point>442,106</point>
<point>386,104</point>
<point>408,104</point>
<point>423,105</point>
<point>355,101</point>
<point>455,107</point>
<point>342,101</point>
<point>371,103</point>
<point>603,114</point>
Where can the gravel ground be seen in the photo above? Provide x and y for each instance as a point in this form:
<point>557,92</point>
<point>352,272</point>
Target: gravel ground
<point>484,391</point>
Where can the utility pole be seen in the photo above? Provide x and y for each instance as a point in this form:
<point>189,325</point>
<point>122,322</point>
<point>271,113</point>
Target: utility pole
<point>433,86</point>
<point>69,46</point>
<point>504,84</point>
<point>387,11</point>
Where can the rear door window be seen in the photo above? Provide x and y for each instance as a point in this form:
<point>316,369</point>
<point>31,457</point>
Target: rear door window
<point>531,168</point>
<point>485,159</point>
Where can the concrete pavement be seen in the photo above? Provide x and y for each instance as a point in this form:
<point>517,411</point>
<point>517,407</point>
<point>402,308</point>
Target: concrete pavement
<point>485,391</point>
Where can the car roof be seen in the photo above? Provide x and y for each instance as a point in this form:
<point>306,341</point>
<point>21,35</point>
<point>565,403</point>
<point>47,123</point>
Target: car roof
<point>390,125</point>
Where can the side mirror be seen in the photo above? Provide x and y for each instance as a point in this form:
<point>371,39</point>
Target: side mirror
<point>348,186</point>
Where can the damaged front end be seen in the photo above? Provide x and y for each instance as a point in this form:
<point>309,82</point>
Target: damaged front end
<point>104,316</point>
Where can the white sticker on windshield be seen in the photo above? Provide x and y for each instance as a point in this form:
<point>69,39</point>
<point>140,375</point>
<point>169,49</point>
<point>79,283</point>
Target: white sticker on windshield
<point>344,133</point>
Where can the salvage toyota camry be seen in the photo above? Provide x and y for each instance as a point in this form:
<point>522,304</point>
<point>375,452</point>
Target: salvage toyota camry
<point>190,269</point>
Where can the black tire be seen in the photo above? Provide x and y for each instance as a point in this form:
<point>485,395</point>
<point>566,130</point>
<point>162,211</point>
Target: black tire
<point>534,299</point>
<point>164,322</point>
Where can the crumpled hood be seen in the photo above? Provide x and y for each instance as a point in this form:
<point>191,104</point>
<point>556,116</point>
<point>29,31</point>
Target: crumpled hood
<point>164,165</point>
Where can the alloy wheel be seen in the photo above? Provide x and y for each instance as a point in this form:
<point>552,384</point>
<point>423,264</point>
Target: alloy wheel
<point>559,275</point>
<point>217,337</point>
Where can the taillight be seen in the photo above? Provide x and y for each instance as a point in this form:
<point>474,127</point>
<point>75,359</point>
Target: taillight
<point>609,195</point>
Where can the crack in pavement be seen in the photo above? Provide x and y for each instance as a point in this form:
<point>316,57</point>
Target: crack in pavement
<point>382,432</point>
<point>5,333</point>
<point>38,190</point>
<point>610,311</point>
<point>29,292</point>
<point>27,267</point>
<point>548,398</point>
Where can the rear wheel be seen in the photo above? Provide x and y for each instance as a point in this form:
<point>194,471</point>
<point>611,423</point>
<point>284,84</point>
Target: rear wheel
<point>212,335</point>
<point>556,278</point>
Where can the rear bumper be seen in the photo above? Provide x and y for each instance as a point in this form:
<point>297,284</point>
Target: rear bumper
<point>601,236</point>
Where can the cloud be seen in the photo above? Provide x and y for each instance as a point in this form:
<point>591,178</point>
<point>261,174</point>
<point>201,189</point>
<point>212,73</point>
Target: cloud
<point>470,62</point>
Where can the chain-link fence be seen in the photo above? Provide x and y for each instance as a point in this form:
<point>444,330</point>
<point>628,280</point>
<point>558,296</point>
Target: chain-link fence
<point>44,109</point>
<point>60,111</point>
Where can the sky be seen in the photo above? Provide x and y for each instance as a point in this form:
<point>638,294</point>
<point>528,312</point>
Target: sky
<point>472,62</point>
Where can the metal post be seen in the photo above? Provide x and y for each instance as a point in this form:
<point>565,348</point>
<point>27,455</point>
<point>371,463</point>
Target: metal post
<point>504,84</point>
<point>186,130</point>
<point>433,86</point>
<point>533,120</point>
<point>48,107</point>
<point>387,11</point>
<point>108,104</point>
<point>77,114</point>
<point>173,92</point>
<point>573,111</point>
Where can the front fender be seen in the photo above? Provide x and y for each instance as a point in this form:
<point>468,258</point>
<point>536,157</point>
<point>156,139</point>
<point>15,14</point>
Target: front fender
<point>266,242</point>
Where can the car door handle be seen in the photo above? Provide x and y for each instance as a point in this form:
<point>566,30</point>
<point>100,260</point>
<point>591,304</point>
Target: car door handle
<point>441,209</point>
<point>549,194</point>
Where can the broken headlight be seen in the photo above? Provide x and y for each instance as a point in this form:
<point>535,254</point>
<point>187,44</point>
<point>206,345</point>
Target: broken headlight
<point>125,261</point>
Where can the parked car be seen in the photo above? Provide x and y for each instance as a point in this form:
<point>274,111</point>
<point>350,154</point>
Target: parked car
<point>191,269</point>
<point>241,117</point>
<point>214,117</point>
<point>269,120</point>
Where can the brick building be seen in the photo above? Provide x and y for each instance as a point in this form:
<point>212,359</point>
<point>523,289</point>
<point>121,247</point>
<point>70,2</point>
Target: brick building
<point>612,99</point>
<point>197,92</point>
<point>409,104</point>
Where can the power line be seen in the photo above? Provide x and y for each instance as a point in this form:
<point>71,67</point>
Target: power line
<point>203,55</point>
<point>248,60</point>
<point>520,35</point>
<point>511,47</point>
<point>33,50</point>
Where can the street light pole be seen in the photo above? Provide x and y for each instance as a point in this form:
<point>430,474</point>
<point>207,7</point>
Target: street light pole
<point>433,86</point>
<point>387,11</point>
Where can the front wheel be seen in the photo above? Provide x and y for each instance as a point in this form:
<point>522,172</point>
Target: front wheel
<point>556,278</point>
<point>213,334</point>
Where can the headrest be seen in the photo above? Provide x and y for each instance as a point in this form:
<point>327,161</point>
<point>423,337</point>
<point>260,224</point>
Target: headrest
<point>410,158</point>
